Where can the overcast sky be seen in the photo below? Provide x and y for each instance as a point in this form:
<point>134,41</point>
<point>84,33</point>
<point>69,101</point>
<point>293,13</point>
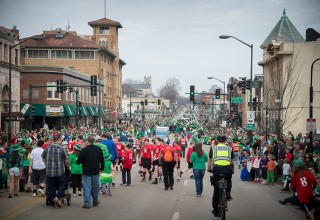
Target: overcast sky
<point>172,38</point>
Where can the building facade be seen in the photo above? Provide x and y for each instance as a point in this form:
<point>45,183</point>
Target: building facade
<point>9,37</point>
<point>58,110</point>
<point>95,54</point>
<point>286,63</point>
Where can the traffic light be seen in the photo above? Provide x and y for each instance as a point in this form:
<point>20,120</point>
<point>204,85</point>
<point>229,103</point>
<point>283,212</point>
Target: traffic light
<point>192,93</point>
<point>254,103</point>
<point>235,110</point>
<point>59,86</point>
<point>159,101</point>
<point>33,110</point>
<point>217,93</point>
<point>243,85</point>
<point>142,102</point>
<point>80,108</point>
<point>93,87</point>
<point>248,84</point>
<point>146,102</point>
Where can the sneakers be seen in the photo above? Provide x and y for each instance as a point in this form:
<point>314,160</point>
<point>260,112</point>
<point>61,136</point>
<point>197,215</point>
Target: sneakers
<point>178,179</point>
<point>80,194</point>
<point>150,177</point>
<point>95,204</point>
<point>155,181</point>
<point>86,207</point>
<point>33,194</point>
<point>74,195</point>
<point>282,202</point>
<point>16,194</point>
<point>143,179</point>
<point>192,177</point>
<point>181,172</point>
<point>123,184</point>
<point>108,193</point>
<point>215,212</point>
<point>113,184</point>
<point>41,192</point>
<point>171,187</point>
<point>166,189</point>
<point>140,172</point>
<point>57,202</point>
<point>10,195</point>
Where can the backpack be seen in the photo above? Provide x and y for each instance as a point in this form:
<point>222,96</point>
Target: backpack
<point>167,157</point>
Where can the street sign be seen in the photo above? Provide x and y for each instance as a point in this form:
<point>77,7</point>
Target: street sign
<point>250,127</point>
<point>311,124</point>
<point>250,121</point>
<point>250,115</point>
<point>236,100</point>
<point>25,108</point>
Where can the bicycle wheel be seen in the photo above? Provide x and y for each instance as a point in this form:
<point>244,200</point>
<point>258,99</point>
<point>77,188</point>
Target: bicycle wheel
<point>222,205</point>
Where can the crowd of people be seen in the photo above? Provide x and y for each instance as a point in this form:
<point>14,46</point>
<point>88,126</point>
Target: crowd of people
<point>44,162</point>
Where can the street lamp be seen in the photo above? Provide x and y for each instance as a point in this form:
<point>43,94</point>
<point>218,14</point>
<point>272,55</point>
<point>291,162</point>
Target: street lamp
<point>224,91</point>
<point>251,46</point>
<point>267,110</point>
<point>99,111</point>
<point>10,81</point>
<point>130,99</point>
<point>311,102</point>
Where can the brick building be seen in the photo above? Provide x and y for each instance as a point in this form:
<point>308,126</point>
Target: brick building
<point>95,54</point>
<point>58,109</point>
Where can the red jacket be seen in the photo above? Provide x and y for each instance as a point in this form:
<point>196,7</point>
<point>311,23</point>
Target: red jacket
<point>304,186</point>
<point>189,152</point>
<point>127,159</point>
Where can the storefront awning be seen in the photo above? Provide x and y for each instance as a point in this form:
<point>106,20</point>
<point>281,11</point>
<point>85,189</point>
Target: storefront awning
<point>92,110</point>
<point>84,111</point>
<point>68,110</point>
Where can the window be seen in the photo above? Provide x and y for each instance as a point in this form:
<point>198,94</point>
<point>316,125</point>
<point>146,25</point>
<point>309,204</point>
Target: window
<point>38,54</point>
<point>61,54</point>
<point>103,43</point>
<point>84,54</point>
<point>52,91</point>
<point>104,30</point>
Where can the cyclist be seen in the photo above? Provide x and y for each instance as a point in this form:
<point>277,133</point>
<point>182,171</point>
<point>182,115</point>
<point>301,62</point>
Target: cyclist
<point>220,162</point>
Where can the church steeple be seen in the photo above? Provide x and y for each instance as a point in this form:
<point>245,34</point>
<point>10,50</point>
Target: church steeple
<point>285,29</point>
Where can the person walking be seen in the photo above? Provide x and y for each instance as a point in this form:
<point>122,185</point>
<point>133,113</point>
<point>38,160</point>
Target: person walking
<point>14,165</point>
<point>91,158</point>
<point>168,155</point>
<point>56,161</point>
<point>76,170</point>
<point>199,159</point>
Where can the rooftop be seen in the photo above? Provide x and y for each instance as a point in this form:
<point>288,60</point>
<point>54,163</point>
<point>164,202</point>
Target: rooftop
<point>66,41</point>
<point>105,22</point>
<point>284,29</point>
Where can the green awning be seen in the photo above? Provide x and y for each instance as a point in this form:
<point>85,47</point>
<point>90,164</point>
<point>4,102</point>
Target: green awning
<point>40,109</point>
<point>68,110</point>
<point>84,111</point>
<point>92,110</point>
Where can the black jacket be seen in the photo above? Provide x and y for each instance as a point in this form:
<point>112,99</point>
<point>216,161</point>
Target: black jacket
<point>91,158</point>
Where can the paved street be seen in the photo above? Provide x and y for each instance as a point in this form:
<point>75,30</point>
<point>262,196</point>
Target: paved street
<point>146,201</point>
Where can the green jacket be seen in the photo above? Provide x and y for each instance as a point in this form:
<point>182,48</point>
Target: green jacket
<point>199,163</point>
<point>75,168</point>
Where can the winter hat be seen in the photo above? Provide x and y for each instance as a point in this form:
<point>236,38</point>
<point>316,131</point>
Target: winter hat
<point>274,140</point>
<point>15,147</point>
<point>77,147</point>
<point>298,163</point>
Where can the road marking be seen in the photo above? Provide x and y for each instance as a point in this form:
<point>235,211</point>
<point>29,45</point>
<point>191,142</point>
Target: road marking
<point>185,182</point>
<point>19,209</point>
<point>176,216</point>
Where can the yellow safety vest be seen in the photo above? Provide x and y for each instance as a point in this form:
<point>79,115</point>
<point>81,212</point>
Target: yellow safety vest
<point>221,155</point>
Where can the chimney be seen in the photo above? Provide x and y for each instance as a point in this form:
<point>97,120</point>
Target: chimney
<point>311,35</point>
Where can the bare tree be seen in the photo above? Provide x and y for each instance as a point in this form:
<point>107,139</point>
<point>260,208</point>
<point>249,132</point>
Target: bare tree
<point>127,86</point>
<point>170,90</point>
<point>286,108</point>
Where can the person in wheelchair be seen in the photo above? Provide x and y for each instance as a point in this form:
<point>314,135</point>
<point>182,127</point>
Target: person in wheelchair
<point>220,162</point>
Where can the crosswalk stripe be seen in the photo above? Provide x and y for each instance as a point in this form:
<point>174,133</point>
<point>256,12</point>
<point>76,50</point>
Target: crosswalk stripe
<point>176,216</point>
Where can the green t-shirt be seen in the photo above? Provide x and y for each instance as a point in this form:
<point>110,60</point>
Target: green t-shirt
<point>199,163</point>
<point>26,162</point>
<point>107,166</point>
<point>75,168</point>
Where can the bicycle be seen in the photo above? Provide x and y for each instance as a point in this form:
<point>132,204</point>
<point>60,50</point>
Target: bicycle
<point>222,185</point>
<point>223,206</point>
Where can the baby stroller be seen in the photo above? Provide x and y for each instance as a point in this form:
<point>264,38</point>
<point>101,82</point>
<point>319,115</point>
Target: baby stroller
<point>66,198</point>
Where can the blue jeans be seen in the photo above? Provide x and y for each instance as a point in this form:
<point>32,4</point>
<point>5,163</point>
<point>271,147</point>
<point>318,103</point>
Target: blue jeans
<point>56,187</point>
<point>237,158</point>
<point>198,179</point>
<point>90,189</point>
